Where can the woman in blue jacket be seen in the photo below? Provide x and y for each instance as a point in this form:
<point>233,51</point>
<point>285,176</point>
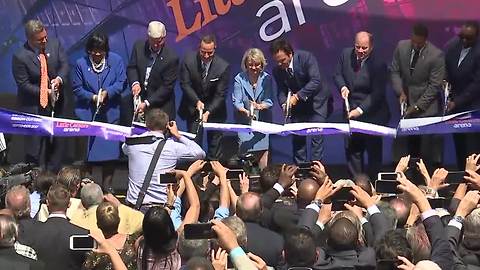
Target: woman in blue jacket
<point>252,98</point>
<point>98,81</point>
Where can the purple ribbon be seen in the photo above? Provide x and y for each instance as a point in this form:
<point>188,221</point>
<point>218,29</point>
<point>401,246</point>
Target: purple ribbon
<point>30,124</point>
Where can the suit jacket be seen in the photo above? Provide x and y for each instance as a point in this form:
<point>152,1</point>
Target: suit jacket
<point>52,244</point>
<point>307,84</point>
<point>160,87</point>
<point>211,92</point>
<point>264,243</point>
<point>367,86</point>
<point>465,79</point>
<point>441,253</point>
<point>26,71</point>
<point>454,238</point>
<point>10,260</point>
<point>424,84</point>
<point>27,230</point>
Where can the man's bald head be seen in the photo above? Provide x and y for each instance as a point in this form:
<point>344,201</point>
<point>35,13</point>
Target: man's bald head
<point>307,190</point>
<point>249,207</point>
<point>18,200</point>
<point>363,44</point>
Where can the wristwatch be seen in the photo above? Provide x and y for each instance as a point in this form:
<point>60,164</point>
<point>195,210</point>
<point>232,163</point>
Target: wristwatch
<point>317,202</point>
<point>459,219</point>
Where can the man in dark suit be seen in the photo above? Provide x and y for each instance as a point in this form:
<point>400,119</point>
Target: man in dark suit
<point>260,241</point>
<point>152,71</point>
<point>462,61</point>
<point>18,201</point>
<point>52,241</point>
<point>9,259</point>
<point>297,71</point>
<point>37,66</point>
<point>417,72</point>
<point>204,78</point>
<point>362,78</point>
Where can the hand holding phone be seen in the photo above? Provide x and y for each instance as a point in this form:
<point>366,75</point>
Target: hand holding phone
<point>82,243</point>
<point>199,231</point>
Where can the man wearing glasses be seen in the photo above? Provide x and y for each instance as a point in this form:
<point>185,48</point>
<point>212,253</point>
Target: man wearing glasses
<point>462,60</point>
<point>152,71</point>
<point>204,79</point>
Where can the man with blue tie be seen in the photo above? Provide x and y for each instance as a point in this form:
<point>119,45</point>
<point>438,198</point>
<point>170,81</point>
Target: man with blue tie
<point>297,72</point>
<point>362,77</point>
<point>462,61</point>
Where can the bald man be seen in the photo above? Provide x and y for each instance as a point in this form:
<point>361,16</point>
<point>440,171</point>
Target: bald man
<point>361,79</point>
<point>260,241</point>
<point>306,192</point>
<point>17,200</point>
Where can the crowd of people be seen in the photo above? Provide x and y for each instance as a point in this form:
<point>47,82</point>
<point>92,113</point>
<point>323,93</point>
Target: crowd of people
<point>280,219</point>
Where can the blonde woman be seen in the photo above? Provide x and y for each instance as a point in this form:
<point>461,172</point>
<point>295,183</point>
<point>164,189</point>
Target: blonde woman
<point>252,98</point>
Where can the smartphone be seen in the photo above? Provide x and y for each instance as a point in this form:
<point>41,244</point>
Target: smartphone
<point>343,195</point>
<point>303,170</point>
<point>167,178</point>
<point>82,242</point>
<point>233,174</point>
<point>339,205</point>
<point>207,167</point>
<point>392,176</point>
<point>455,177</point>
<point>387,187</point>
<point>412,163</point>
<point>437,202</point>
<point>199,231</point>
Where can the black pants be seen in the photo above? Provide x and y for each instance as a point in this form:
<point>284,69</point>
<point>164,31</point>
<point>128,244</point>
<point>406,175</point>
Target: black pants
<point>356,146</point>
<point>299,143</point>
<point>214,139</point>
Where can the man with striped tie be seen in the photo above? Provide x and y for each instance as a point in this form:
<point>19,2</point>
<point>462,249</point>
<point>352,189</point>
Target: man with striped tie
<point>39,67</point>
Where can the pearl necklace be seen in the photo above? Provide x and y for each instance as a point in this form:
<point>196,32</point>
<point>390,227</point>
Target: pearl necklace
<point>98,67</point>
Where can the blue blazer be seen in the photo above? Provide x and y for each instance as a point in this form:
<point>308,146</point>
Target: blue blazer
<point>308,85</point>
<point>465,79</point>
<point>86,84</point>
<point>243,94</point>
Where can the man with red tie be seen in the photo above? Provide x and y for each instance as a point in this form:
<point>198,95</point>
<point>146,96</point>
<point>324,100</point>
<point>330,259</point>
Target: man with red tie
<point>39,67</point>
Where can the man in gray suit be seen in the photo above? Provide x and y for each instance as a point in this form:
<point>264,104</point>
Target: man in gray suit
<point>417,71</point>
<point>37,54</point>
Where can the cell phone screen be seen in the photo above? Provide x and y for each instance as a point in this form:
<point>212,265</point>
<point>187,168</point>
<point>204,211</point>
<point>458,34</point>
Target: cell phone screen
<point>167,178</point>
<point>199,231</point>
<point>386,187</point>
<point>455,177</point>
<point>392,176</point>
<point>82,242</point>
<point>343,195</point>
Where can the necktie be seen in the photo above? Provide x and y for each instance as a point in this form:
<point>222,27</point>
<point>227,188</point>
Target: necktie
<point>416,54</point>
<point>43,80</point>
<point>358,65</point>
<point>204,71</point>
<point>290,72</point>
